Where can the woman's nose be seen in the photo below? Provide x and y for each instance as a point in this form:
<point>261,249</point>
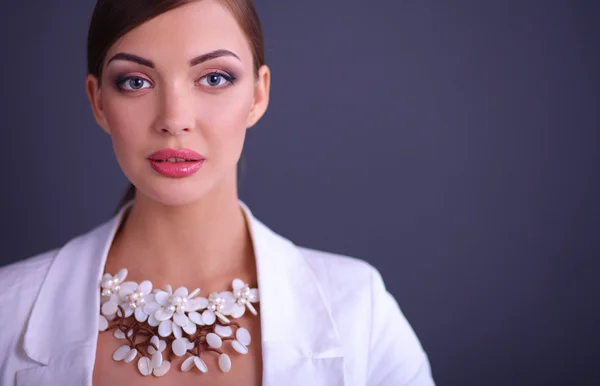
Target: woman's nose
<point>175,112</point>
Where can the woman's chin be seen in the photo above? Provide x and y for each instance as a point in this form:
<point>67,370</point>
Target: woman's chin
<point>170,195</point>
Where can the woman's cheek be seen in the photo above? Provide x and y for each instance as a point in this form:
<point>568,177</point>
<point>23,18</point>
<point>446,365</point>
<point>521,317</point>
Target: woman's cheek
<point>226,122</point>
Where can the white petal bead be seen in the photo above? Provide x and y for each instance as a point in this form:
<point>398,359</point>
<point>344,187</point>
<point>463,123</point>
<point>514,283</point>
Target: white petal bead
<point>214,340</point>
<point>196,318</point>
<point>223,330</point>
<point>200,365</point>
<point>227,296</point>
<point>163,314</point>
<point>146,286</point>
<point>121,352</point>
<point>243,336</point>
<point>128,287</point>
<point>162,370</point>
<point>119,334</point>
<point>193,293</point>
<point>157,359</point>
<point>237,311</point>
<point>251,308</point>
<point>102,323</point>
<point>177,331</point>
<point>152,321</point>
<point>190,345</point>
<point>180,319</point>
<point>140,315</point>
<point>239,347</point>
<point>196,304</point>
<point>165,328</point>
<point>131,355</point>
<point>121,275</point>
<point>190,328</point>
<point>253,295</point>
<point>224,363</point>
<point>162,345</point>
<point>181,291</point>
<point>154,340</point>
<point>179,347</point>
<point>109,307</point>
<point>145,366</point>
<point>187,364</point>
<point>162,298</point>
<point>236,284</point>
<point>128,312</point>
<point>222,317</point>
<point>208,317</point>
<point>151,307</point>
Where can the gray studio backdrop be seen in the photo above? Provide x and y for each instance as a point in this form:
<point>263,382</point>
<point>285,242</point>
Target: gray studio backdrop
<point>452,144</point>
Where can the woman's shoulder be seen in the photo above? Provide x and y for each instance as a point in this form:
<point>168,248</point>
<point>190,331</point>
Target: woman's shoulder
<point>359,301</point>
<point>340,270</point>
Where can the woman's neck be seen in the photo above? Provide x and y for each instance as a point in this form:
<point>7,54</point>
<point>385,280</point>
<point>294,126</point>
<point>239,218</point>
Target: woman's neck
<point>204,242</point>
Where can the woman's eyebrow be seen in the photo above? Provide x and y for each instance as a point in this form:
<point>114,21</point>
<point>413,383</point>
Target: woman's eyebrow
<point>212,55</point>
<point>195,61</point>
<point>131,58</point>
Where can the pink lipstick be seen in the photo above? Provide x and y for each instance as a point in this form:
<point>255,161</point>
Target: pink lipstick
<point>176,163</point>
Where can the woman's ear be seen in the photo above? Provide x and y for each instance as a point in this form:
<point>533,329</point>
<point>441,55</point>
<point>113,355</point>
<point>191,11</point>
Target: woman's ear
<point>262,88</point>
<point>94,94</point>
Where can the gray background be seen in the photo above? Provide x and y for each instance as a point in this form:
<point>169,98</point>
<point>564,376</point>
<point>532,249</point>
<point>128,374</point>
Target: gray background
<point>452,144</point>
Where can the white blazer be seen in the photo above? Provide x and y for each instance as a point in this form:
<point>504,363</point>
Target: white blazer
<point>326,319</point>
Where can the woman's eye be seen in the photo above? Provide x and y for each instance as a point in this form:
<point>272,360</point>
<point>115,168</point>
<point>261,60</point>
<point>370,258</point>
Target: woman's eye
<point>132,83</point>
<point>216,79</point>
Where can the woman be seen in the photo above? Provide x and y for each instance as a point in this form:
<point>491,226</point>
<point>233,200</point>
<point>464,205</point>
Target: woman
<point>176,84</point>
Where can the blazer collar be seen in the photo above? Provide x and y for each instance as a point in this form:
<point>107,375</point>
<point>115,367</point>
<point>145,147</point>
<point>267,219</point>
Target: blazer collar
<point>298,331</point>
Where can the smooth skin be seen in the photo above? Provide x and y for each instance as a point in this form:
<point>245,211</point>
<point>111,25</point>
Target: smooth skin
<point>182,231</point>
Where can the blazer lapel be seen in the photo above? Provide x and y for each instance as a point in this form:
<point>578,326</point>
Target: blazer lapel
<point>300,342</point>
<point>301,345</point>
<point>62,331</point>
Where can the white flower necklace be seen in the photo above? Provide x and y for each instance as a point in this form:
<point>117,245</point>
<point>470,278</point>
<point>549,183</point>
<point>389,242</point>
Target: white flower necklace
<point>177,322</point>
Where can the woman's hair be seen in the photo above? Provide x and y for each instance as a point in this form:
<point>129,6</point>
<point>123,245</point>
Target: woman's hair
<point>112,19</point>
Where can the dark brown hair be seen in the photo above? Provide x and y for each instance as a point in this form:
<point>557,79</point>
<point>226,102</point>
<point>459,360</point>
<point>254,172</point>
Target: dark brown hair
<point>112,19</point>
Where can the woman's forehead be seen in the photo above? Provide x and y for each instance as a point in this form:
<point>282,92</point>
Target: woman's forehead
<point>185,32</point>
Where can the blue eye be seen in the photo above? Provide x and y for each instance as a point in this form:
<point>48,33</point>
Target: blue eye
<point>132,83</point>
<point>216,79</point>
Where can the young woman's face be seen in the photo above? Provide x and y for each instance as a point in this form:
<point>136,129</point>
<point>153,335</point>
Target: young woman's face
<point>160,90</point>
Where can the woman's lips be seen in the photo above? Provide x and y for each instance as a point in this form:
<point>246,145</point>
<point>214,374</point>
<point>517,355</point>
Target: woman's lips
<point>176,168</point>
<point>186,154</point>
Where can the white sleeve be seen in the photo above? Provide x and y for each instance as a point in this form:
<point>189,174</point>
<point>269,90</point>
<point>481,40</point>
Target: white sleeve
<point>396,357</point>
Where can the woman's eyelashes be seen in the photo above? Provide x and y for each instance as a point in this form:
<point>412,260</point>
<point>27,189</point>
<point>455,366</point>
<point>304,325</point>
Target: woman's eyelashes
<point>131,83</point>
<point>214,80</point>
<point>217,80</point>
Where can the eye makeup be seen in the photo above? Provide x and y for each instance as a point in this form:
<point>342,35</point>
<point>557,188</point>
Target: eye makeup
<point>128,82</point>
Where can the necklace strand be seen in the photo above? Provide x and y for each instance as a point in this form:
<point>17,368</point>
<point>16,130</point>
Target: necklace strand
<point>159,324</point>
